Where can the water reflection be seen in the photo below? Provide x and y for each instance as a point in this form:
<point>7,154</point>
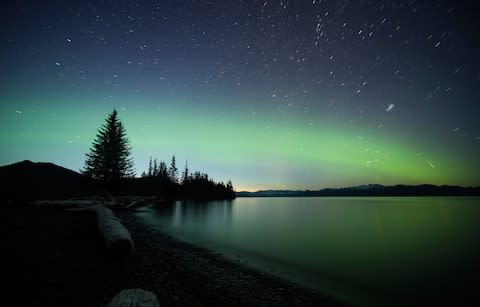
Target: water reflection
<point>186,212</point>
<point>403,247</point>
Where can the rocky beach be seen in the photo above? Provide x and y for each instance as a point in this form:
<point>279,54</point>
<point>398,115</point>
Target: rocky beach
<point>61,260</point>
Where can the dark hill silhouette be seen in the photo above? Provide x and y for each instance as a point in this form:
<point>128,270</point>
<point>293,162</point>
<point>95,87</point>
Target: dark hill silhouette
<point>28,180</point>
<point>38,170</point>
<point>40,180</point>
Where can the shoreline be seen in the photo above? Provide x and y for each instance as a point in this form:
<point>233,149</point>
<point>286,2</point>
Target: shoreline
<point>61,260</point>
<point>212,278</point>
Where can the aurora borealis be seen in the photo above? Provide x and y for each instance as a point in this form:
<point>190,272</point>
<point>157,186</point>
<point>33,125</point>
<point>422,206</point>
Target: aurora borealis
<point>270,94</point>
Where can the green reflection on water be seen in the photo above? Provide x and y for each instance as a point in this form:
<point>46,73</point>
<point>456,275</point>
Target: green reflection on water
<point>389,247</point>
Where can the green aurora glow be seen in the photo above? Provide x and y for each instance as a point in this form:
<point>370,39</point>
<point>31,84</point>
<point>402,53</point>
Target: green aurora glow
<point>256,151</point>
<point>272,95</point>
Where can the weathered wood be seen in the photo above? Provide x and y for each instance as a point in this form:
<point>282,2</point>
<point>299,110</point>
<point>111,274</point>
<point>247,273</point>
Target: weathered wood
<point>133,203</point>
<point>117,238</point>
<point>134,298</point>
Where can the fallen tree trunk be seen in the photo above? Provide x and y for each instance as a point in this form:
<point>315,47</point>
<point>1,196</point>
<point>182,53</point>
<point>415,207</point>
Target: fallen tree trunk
<point>117,238</point>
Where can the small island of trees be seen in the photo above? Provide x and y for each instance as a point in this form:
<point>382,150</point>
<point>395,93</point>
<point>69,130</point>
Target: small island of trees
<point>110,165</point>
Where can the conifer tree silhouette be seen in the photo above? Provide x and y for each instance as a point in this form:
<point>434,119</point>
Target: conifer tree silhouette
<point>109,156</point>
<point>185,173</point>
<point>162,170</point>
<point>173,171</point>
<point>155,168</point>
<point>150,167</point>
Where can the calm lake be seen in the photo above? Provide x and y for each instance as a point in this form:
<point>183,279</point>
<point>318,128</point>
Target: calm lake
<point>364,250</point>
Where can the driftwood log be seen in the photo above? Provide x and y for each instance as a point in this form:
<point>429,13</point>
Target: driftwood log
<point>117,238</point>
<point>134,298</point>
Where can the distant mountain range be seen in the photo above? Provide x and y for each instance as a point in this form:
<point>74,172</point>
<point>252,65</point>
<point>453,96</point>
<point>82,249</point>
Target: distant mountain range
<point>372,190</point>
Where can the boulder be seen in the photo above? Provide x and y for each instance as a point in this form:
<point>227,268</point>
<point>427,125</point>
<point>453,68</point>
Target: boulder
<point>134,298</point>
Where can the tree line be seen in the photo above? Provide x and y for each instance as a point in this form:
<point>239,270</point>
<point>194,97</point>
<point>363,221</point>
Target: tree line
<point>160,170</point>
<point>188,184</point>
<point>109,163</point>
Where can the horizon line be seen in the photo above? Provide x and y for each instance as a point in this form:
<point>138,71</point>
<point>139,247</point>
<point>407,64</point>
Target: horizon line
<point>288,189</point>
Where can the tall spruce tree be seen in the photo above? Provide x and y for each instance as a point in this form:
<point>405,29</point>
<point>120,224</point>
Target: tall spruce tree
<point>173,171</point>
<point>185,173</point>
<point>109,157</point>
<point>155,168</point>
<point>162,170</point>
<point>150,168</point>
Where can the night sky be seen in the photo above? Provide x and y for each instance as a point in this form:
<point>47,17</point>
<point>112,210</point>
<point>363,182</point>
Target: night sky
<point>270,94</point>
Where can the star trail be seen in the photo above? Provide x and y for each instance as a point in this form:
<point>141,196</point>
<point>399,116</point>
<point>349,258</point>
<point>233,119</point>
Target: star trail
<point>269,94</point>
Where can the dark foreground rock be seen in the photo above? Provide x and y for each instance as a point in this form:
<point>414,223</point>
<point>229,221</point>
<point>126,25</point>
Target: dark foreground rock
<point>60,260</point>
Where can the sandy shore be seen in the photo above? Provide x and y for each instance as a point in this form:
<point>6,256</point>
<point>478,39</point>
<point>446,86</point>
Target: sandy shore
<point>60,260</point>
